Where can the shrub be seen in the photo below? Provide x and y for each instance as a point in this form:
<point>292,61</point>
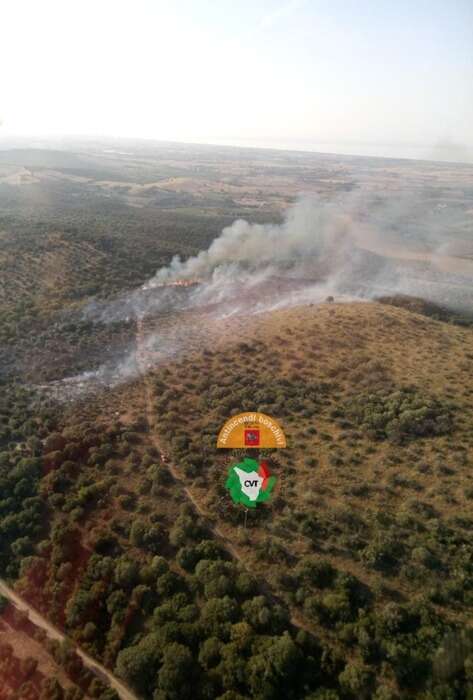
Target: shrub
<point>315,571</point>
<point>402,414</point>
<point>357,679</point>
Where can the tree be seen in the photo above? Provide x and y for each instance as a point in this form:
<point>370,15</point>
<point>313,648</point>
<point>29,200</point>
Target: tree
<point>231,695</point>
<point>154,538</point>
<point>275,669</point>
<point>256,611</point>
<point>357,679</point>
<point>177,672</point>
<point>317,572</point>
<point>22,546</point>
<point>233,668</point>
<point>138,532</point>
<point>126,572</point>
<point>137,665</point>
<point>168,583</point>
<point>116,601</point>
<point>217,616</point>
<point>159,566</point>
<point>245,585</point>
<point>210,652</point>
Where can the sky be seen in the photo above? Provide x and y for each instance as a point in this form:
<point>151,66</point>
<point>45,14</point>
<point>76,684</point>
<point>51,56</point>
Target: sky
<point>360,76</point>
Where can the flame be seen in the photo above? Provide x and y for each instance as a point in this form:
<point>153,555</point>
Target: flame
<point>180,283</point>
<point>175,283</point>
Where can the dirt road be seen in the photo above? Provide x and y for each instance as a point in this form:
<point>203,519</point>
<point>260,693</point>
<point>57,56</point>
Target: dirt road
<point>144,363</point>
<point>53,633</point>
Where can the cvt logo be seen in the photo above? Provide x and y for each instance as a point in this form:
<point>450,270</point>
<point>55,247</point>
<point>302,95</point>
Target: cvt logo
<point>250,482</point>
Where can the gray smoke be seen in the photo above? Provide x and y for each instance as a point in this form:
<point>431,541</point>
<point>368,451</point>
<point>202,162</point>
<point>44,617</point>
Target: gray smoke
<point>311,228</point>
<point>352,247</point>
<point>360,245</point>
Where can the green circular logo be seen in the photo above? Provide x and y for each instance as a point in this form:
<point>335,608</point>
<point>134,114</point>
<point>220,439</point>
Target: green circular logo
<point>250,482</point>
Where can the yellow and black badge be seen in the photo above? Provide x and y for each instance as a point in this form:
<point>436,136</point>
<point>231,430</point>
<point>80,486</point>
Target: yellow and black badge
<point>248,430</point>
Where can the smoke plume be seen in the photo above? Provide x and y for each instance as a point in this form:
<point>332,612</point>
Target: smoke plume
<point>352,247</point>
<point>310,228</point>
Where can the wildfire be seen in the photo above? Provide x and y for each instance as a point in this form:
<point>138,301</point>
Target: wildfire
<point>175,283</point>
<point>182,283</point>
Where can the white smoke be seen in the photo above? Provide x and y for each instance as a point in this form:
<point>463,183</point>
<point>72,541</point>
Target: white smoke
<point>356,246</point>
<point>311,228</point>
<point>361,245</point>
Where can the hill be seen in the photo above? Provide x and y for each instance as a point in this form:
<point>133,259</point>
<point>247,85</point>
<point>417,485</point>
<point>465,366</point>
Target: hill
<point>355,577</point>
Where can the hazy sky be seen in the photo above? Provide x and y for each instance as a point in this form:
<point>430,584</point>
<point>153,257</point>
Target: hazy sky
<point>373,72</point>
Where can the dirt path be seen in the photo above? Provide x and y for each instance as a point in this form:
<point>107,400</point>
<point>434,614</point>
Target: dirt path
<point>144,363</point>
<point>53,633</point>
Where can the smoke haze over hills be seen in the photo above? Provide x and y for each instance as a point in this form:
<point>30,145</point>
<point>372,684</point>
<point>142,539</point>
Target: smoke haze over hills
<point>348,245</point>
<point>344,248</point>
